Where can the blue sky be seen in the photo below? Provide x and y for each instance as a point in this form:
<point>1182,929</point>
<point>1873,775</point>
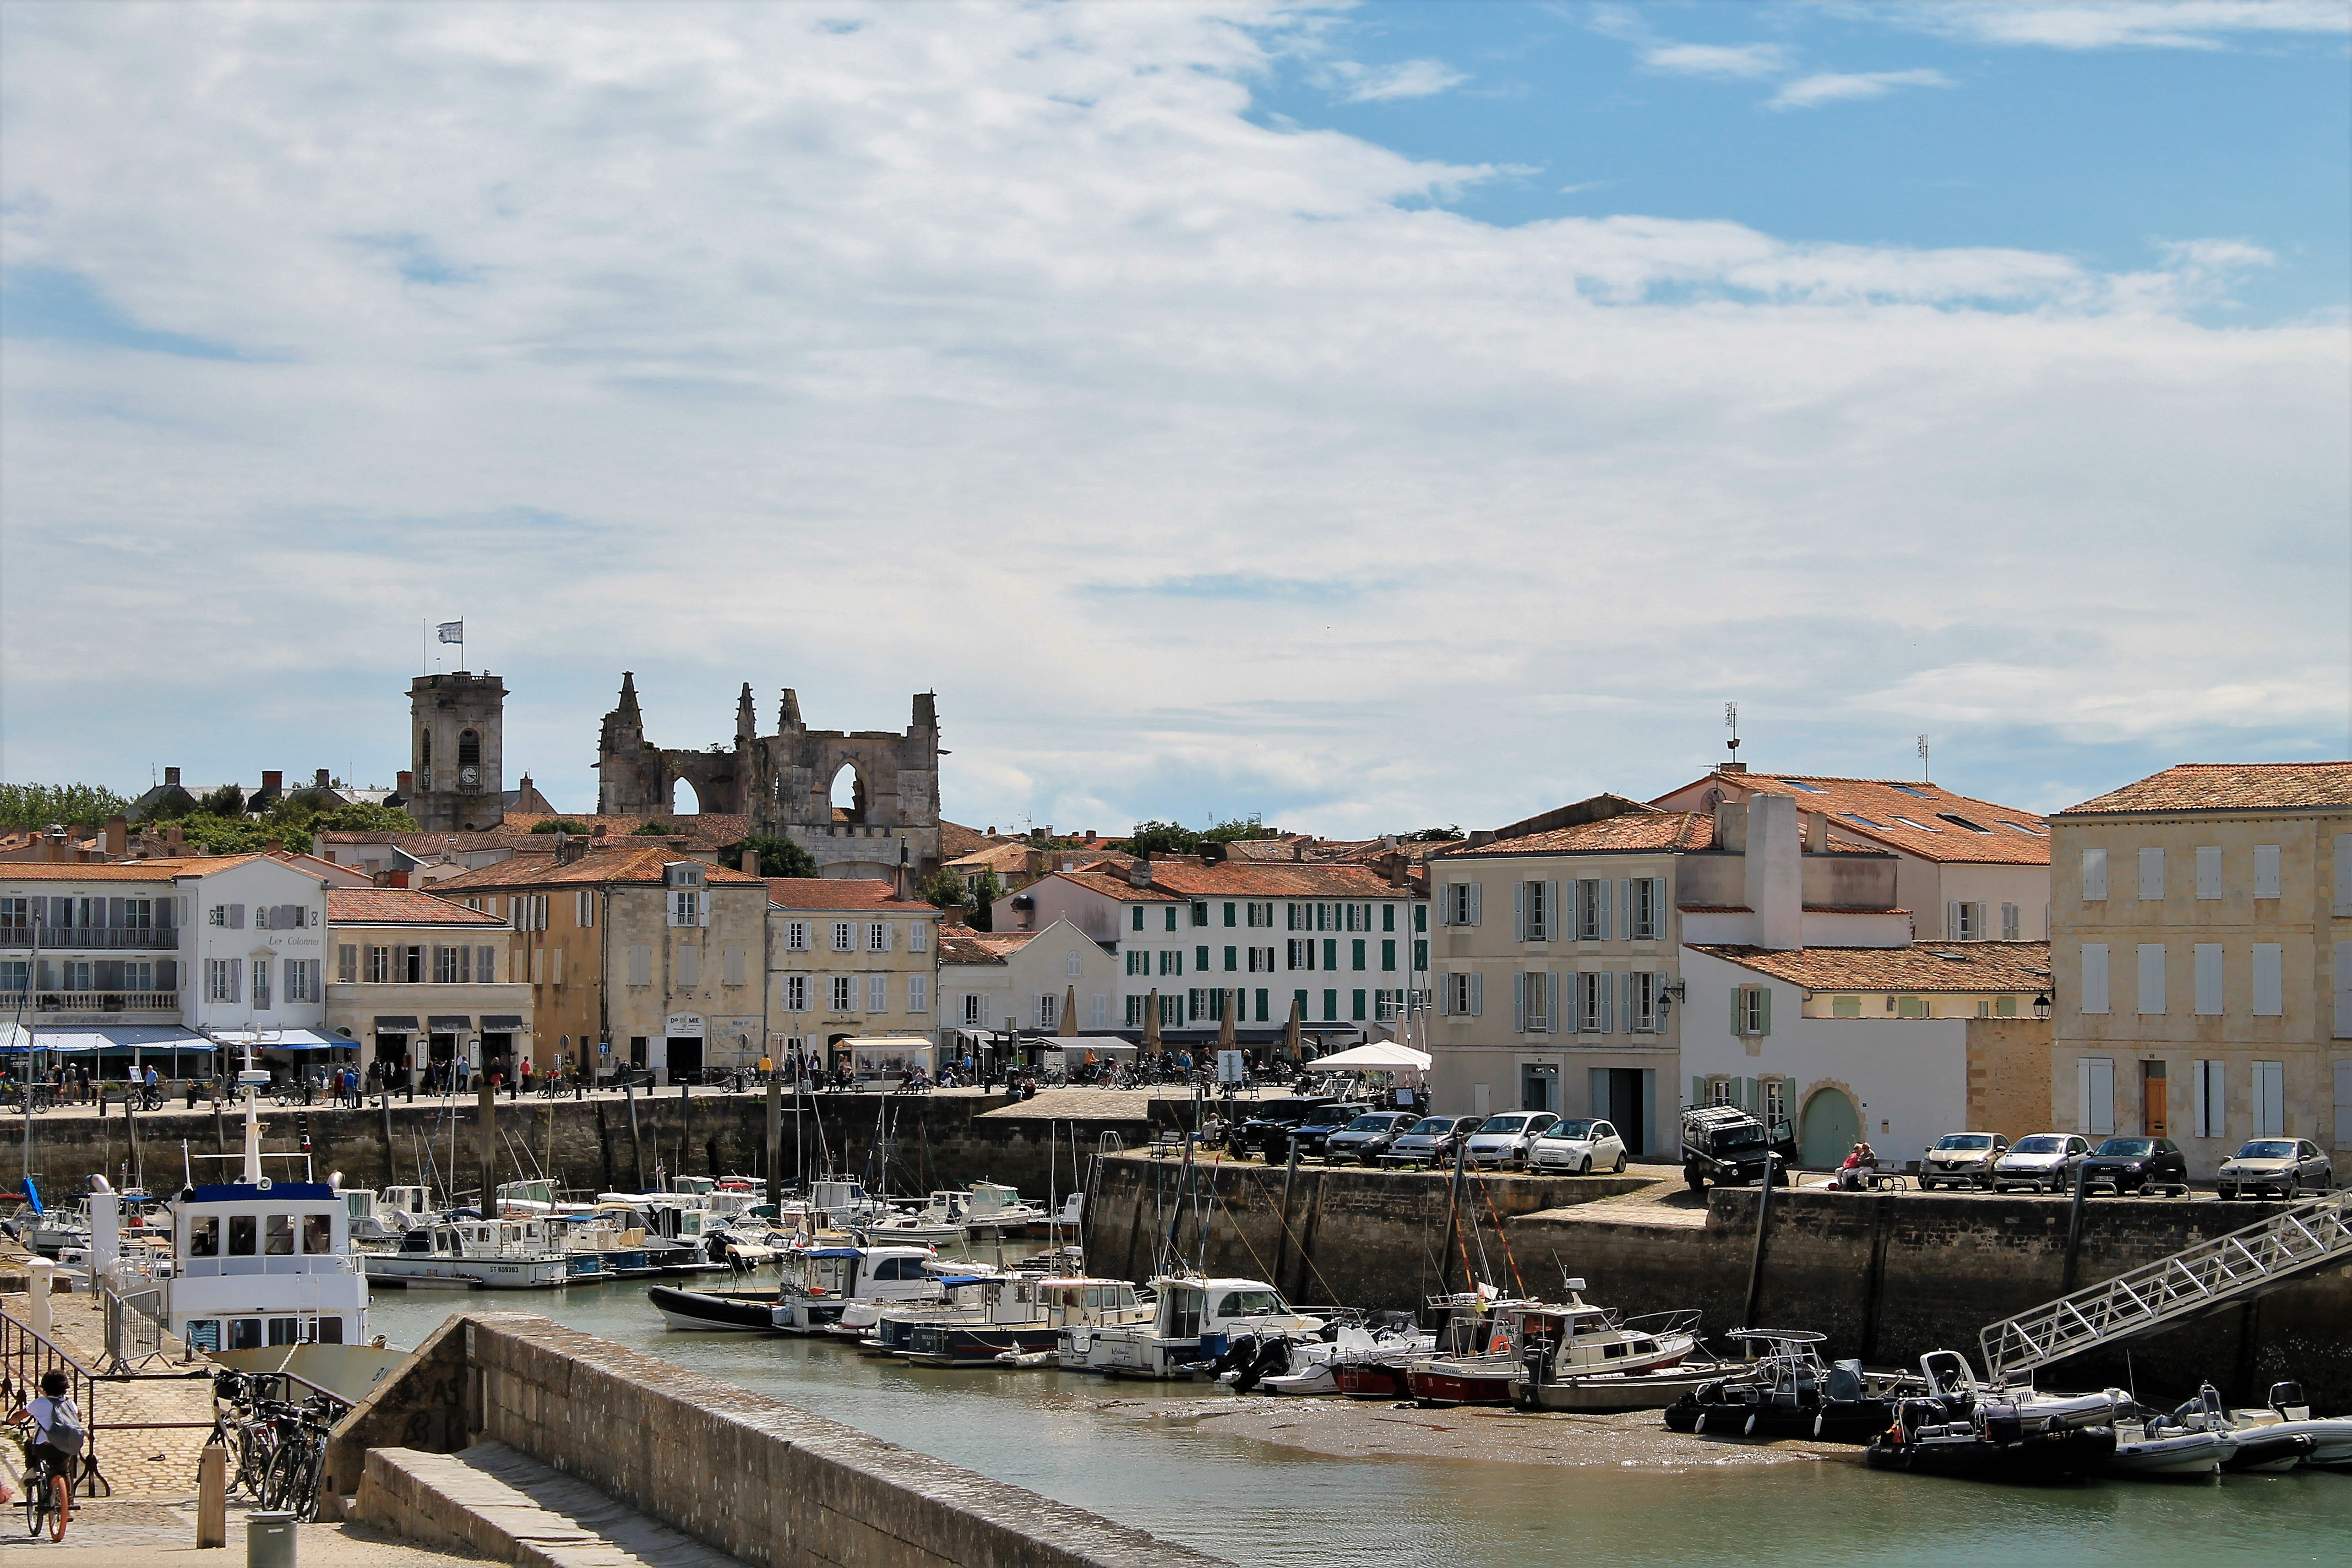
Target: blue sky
<point>1365,415</point>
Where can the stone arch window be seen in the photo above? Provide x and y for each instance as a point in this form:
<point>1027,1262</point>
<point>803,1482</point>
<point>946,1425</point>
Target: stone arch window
<point>853,807</point>
<point>469,748</point>
<point>425,748</point>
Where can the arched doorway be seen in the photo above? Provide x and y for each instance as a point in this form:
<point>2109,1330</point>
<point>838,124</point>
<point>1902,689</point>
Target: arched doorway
<point>1832,1126</point>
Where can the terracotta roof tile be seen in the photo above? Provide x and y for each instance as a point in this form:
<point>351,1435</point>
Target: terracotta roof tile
<point>156,871</point>
<point>1919,818</point>
<point>1952,967</point>
<point>1112,887</point>
<point>1653,832</point>
<point>400,906</point>
<point>2230,786</point>
<point>834,894</point>
<point>962,944</point>
<point>633,864</point>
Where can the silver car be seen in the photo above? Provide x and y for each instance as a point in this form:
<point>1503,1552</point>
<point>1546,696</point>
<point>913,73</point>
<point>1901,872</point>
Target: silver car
<point>1508,1139</point>
<point>2285,1166</point>
<point>1582,1146</point>
<point>2043,1159</point>
<point>1962,1160</point>
<point>1431,1141</point>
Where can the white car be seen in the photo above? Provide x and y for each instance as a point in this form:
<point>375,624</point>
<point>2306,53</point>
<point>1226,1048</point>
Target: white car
<point>1582,1146</point>
<point>1509,1139</point>
<point>2042,1159</point>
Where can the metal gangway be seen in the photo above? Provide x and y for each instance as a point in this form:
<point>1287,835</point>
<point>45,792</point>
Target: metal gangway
<point>2233,1268</point>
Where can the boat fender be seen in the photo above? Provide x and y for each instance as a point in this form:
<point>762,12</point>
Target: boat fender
<point>1700,1424</point>
<point>1819,1416</point>
<point>1750,1430</point>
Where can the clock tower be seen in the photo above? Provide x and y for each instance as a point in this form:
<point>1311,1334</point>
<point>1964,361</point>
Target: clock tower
<point>456,749</point>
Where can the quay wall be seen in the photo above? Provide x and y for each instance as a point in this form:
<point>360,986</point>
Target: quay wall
<point>771,1485</point>
<point>1885,1275</point>
<point>936,1140</point>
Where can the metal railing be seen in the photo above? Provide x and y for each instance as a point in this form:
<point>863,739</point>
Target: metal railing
<point>92,1001</point>
<point>2243,1264</point>
<point>87,939</point>
<point>25,1357</point>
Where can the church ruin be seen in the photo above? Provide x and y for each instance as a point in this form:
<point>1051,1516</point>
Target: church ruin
<point>784,783</point>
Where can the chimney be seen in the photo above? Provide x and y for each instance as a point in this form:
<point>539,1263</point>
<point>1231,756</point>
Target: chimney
<point>1481,836</point>
<point>1731,825</point>
<point>321,781</point>
<point>173,843</point>
<point>1138,874</point>
<point>396,878</point>
<point>117,837</point>
<point>171,776</point>
<point>1775,873</point>
<point>404,785</point>
<point>273,781</point>
<point>273,846</point>
<point>1731,768</point>
<point>569,847</point>
<point>599,830</point>
<point>1817,833</point>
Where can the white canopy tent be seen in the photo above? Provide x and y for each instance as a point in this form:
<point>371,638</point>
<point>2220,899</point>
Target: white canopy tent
<point>1380,1056</point>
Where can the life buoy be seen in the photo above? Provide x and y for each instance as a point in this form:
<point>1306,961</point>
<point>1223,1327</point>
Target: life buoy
<point>1500,1343</point>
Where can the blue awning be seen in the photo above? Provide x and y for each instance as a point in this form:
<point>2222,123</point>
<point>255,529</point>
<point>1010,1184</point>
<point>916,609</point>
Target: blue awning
<point>116,1039</point>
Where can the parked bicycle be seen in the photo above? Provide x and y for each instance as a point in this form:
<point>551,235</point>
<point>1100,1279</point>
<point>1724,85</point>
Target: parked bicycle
<point>300,1461</point>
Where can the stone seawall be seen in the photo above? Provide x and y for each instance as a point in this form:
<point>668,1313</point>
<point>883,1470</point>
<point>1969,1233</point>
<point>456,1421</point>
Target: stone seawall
<point>1884,1276</point>
<point>768,1484</point>
<point>936,1140</point>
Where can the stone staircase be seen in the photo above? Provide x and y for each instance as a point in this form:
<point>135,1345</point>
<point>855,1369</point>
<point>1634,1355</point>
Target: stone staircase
<point>496,1502</point>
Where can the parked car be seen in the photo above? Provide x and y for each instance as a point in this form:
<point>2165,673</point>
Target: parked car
<point>1266,1132</point>
<point>2043,1159</point>
<point>1508,1139</point>
<point>1730,1147</point>
<point>2280,1165</point>
<point>1575,1144</point>
<point>1430,1140</point>
<point>2133,1164</point>
<point>1962,1160</point>
<point>1368,1137</point>
<point>1312,1134</point>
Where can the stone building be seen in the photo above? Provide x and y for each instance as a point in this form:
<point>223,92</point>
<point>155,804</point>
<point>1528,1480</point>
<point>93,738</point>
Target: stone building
<point>2203,958</point>
<point>784,783</point>
<point>635,957</point>
<point>846,957</point>
<point>457,750</point>
<point>414,980</point>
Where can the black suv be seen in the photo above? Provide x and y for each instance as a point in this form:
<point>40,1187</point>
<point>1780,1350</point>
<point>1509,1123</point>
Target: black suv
<point>2135,1164</point>
<point>1314,1134</point>
<point>1268,1131</point>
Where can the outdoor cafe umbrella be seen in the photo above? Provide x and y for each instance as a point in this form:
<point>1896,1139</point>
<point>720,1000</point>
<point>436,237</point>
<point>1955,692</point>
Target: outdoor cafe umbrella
<point>1069,1012</point>
<point>1290,1040</point>
<point>1225,1041</point>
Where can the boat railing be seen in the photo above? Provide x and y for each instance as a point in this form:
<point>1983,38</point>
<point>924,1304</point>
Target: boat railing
<point>1658,1325</point>
<point>25,1357</point>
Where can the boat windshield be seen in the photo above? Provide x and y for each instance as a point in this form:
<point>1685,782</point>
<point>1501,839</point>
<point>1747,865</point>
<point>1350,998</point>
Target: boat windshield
<point>2123,1146</point>
<point>2262,1149</point>
<point>1569,1130</point>
<point>1250,1304</point>
<point>1965,1140</point>
<point>2040,1144</point>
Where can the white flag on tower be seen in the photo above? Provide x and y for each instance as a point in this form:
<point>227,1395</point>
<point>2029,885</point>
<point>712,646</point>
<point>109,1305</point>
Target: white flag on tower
<point>452,631</point>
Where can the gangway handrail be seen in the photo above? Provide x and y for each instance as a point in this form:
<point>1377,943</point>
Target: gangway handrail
<point>2245,1263</point>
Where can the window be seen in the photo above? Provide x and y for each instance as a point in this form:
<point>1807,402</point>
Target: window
<point>1388,954</point>
<point>2094,1087</point>
<point>641,966</point>
<point>2209,979</point>
<point>242,1231</point>
<point>685,907</point>
<point>1172,961</point>
<point>1302,953</point>
<point>877,993</point>
<point>2151,979</point>
<point>796,993</point>
<point>1461,904</point>
<point>1535,913</point>
<point>1136,923</point>
<point>2266,870</point>
<point>1356,957</point>
<point>260,984</point>
<point>1641,1001</point>
<point>347,964</point>
<point>918,936</point>
<point>1532,999</point>
<point>1648,907</point>
<point>2094,876</point>
<point>1593,908</point>
<point>452,965</point>
<point>919,993</point>
<point>2212,1086</point>
<point>2012,922</point>
<point>1459,993</point>
<point>301,979</point>
<point>1199,911</point>
<point>486,965</point>
<point>379,965</point>
<point>2209,871</point>
<point>1138,961</point>
<point>976,1009</point>
<point>1172,1006</point>
<point>2095,977</point>
<point>16,974</point>
<point>1421,955</point>
<point>845,993</point>
<point>2270,980</point>
<point>584,909</point>
<point>796,936</point>
<point>845,936</point>
<point>1260,915</point>
<point>318,1233</point>
<point>877,936</point>
<point>277,1235</point>
<point>1965,923</point>
<point>2269,1100</point>
<point>1751,1010</point>
<point>2151,873</point>
<point>1136,1006</point>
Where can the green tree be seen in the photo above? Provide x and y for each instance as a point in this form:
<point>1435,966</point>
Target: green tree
<point>654,828</point>
<point>984,894</point>
<point>1430,836</point>
<point>778,857</point>
<point>946,889</point>
<point>39,805</point>
<point>1239,827</point>
<point>1151,838</point>
<point>226,801</point>
<point>560,824</point>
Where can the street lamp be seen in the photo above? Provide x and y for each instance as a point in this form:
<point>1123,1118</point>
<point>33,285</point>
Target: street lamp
<point>2041,1005</point>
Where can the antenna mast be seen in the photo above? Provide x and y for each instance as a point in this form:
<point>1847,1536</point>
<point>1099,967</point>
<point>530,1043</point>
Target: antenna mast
<point>1923,758</point>
<point>1732,723</point>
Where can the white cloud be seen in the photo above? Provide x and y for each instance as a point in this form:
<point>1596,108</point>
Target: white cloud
<point>863,362</point>
<point>1405,79</point>
<point>1842,86</point>
<point>2134,24</point>
<point>1717,60</point>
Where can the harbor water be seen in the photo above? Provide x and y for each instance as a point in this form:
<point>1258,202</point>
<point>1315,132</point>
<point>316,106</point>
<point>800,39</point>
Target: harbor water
<point>1073,1438</point>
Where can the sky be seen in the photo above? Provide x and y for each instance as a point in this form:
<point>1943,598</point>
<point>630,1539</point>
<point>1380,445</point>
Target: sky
<point>1367,416</point>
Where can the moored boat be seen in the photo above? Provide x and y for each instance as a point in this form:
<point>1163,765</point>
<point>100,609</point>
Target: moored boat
<point>1787,1391</point>
<point>741,1312</point>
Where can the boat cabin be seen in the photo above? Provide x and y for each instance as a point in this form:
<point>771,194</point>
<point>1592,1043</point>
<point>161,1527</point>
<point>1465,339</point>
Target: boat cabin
<point>260,1264</point>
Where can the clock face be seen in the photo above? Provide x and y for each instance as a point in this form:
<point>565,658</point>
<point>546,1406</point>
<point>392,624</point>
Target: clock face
<point>470,775</point>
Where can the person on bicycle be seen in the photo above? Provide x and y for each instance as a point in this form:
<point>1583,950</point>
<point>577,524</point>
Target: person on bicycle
<point>44,1412</point>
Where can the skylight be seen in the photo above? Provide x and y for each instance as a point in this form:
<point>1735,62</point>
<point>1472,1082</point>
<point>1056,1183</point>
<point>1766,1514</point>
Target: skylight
<point>1906,789</point>
<point>2030,832</point>
<point>1800,783</point>
<point>1857,817</point>
<point>1959,821</point>
<point>1920,826</point>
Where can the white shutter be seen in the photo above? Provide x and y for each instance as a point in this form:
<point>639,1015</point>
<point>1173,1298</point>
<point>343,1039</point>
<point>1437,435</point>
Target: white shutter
<point>2095,977</point>
<point>2151,979</point>
<point>890,936</point>
<point>2209,979</point>
<point>1952,921</point>
<point>1519,911</point>
<point>1601,918</point>
<point>2152,872</point>
<point>670,909</point>
<point>1518,1004</point>
<point>1625,908</point>
<point>2266,870</point>
<point>701,906</point>
<point>1551,910</point>
<point>2269,1100</point>
<point>1475,891</point>
<point>1478,993</point>
<point>2209,871</point>
<point>2094,1089</point>
<point>2094,876</point>
<point>1446,994</point>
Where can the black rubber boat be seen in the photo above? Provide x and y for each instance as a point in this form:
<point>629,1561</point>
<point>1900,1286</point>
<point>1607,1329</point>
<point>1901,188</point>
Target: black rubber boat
<point>751,1312</point>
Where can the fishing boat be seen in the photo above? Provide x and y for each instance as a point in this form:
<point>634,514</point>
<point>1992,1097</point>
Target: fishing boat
<point>1193,1321</point>
<point>1021,1317</point>
<point>1555,1341</point>
<point>1379,1372</point>
<point>1786,1390</point>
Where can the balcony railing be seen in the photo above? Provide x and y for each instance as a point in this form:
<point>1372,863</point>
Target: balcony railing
<point>87,939</point>
<point>77,1003</point>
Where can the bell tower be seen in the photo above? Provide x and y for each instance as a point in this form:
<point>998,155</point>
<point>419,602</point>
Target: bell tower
<point>457,747</point>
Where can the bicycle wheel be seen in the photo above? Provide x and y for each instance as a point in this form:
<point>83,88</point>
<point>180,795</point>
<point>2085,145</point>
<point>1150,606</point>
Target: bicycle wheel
<point>38,1502</point>
<point>305,1501</point>
<point>284,1466</point>
<point>60,1509</point>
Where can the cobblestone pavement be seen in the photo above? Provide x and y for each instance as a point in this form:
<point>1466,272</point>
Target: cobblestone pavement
<point>158,1462</point>
<point>117,1534</point>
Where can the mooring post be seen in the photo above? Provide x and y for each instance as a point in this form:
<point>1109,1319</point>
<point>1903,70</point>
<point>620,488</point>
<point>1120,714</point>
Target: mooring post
<point>685,1123</point>
<point>2074,1228</point>
<point>636,1140</point>
<point>1282,1224</point>
<point>485,1112</point>
<point>1756,1262</point>
<point>775,1147</point>
<point>384,1104</point>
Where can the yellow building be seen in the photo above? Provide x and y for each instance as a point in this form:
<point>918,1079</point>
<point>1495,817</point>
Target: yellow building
<point>2202,952</point>
<point>846,956</point>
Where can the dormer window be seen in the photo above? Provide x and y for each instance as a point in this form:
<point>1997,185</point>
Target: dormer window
<point>683,874</point>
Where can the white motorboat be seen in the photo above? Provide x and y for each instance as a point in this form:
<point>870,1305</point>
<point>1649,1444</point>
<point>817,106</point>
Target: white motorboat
<point>2152,1449</point>
<point>820,1284</point>
<point>1193,1321</point>
<point>2285,1436</point>
<point>480,1253</point>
